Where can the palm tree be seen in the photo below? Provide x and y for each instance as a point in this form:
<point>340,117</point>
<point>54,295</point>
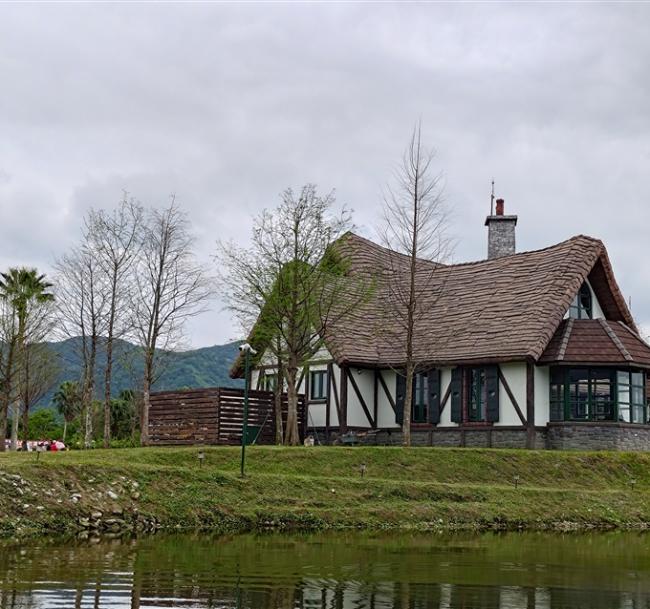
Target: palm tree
<point>67,400</point>
<point>22,288</point>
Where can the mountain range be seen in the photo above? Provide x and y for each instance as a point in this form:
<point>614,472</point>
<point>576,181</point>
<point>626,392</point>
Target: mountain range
<point>205,367</point>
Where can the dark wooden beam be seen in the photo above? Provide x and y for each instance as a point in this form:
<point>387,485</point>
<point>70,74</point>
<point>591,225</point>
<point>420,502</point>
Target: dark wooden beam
<point>445,398</point>
<point>511,396</point>
<point>343,421</point>
<point>335,393</point>
<point>375,397</point>
<point>300,378</point>
<point>305,375</point>
<point>530,404</point>
<point>391,401</point>
<point>360,398</point>
<point>328,401</point>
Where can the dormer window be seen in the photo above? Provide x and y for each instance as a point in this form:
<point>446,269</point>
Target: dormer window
<point>581,307</point>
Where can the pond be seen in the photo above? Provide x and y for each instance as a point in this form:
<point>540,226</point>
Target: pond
<point>337,571</point>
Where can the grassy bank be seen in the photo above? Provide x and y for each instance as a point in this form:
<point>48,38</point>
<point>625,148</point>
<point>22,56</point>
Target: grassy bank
<point>320,488</point>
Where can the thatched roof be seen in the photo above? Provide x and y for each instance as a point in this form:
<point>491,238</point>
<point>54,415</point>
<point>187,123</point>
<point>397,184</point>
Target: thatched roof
<point>506,309</point>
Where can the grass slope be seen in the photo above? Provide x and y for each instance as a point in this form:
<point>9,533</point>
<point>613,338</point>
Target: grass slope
<point>320,487</point>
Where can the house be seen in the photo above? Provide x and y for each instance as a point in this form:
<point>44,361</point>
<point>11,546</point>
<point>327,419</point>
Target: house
<point>532,349</point>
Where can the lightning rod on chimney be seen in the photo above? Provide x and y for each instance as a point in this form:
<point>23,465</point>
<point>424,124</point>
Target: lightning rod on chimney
<point>492,199</point>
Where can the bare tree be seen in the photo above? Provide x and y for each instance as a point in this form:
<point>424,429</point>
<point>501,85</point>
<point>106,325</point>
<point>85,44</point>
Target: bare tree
<point>82,302</point>
<point>170,286</point>
<point>415,229</point>
<point>289,285</point>
<point>113,238</point>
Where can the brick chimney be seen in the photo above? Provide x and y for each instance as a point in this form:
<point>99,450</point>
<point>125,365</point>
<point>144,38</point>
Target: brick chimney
<point>501,233</point>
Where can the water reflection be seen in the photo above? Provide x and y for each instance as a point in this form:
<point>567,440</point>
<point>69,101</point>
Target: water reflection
<point>352,571</point>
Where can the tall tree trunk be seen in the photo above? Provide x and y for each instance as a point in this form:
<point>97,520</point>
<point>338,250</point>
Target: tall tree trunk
<point>109,362</point>
<point>15,418</point>
<point>408,406</point>
<point>89,391</point>
<point>65,430</point>
<point>107,390</point>
<point>279,386</point>
<point>4,407</point>
<point>25,429</point>
<point>292,438</point>
<point>88,435</point>
<point>6,394</point>
<point>146,401</point>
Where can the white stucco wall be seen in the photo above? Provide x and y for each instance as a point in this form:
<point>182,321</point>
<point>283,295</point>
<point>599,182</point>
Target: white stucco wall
<point>445,416</point>
<point>515,375</point>
<point>365,380</point>
<point>385,412</point>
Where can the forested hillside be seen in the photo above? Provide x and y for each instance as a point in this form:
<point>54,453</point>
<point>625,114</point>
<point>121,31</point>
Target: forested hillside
<point>206,367</point>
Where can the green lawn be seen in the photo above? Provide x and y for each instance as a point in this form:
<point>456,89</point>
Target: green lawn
<point>321,487</point>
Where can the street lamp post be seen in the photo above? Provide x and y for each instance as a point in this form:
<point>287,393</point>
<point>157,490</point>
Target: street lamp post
<point>247,350</point>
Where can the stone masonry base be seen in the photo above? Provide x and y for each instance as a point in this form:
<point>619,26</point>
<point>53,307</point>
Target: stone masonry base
<point>555,436</point>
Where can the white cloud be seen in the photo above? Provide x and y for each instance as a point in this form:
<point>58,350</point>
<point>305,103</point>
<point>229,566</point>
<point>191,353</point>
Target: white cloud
<point>226,105</point>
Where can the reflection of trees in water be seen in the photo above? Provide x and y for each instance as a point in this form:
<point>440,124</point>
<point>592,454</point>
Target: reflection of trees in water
<point>326,573</point>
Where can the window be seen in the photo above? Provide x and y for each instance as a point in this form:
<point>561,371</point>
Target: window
<point>474,394</point>
<point>477,403</point>
<point>581,307</point>
<point>631,397</point>
<point>420,399</point>
<point>269,381</point>
<point>597,394</point>
<point>318,385</point>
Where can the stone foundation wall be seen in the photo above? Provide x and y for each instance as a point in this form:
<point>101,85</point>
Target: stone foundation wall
<point>494,437</point>
<point>556,436</point>
<point>598,436</point>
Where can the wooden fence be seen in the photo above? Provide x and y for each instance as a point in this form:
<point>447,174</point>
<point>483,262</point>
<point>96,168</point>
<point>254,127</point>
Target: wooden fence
<point>215,416</point>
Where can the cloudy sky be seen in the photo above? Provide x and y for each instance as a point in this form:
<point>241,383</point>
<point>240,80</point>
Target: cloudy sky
<point>226,105</point>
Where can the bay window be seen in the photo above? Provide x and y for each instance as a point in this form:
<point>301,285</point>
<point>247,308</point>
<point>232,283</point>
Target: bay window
<point>597,394</point>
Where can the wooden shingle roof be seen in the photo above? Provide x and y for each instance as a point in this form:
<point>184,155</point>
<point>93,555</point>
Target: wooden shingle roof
<point>505,309</point>
<point>596,341</point>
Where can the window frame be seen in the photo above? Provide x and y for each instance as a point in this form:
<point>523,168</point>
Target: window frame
<point>477,390</point>
<point>580,310</point>
<point>420,408</point>
<point>563,379</point>
<point>269,381</point>
<point>323,385</point>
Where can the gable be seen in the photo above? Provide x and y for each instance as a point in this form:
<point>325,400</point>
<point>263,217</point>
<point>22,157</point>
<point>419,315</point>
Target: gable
<point>609,295</point>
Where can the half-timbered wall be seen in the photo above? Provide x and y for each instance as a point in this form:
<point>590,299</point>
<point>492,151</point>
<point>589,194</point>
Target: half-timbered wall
<point>513,373</point>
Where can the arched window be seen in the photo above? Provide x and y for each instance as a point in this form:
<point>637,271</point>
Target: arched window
<point>581,307</point>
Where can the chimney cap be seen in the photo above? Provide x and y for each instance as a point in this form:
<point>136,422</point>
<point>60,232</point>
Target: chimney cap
<point>499,214</point>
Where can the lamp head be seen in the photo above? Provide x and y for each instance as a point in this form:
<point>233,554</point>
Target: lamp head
<point>246,348</point>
